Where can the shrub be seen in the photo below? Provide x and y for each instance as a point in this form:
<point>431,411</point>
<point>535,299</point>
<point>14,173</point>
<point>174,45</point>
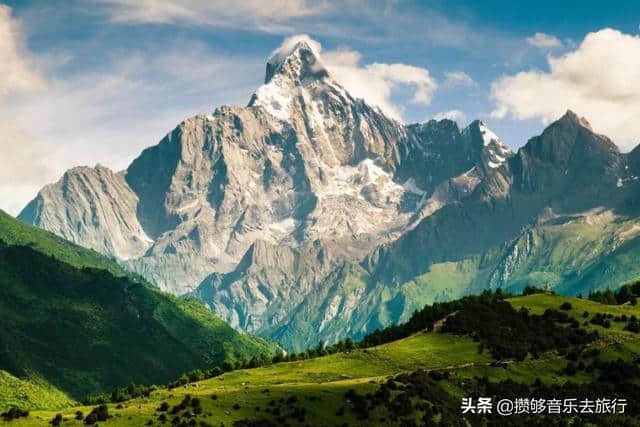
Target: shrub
<point>214,372</point>
<point>601,319</point>
<point>195,375</point>
<point>14,413</point>
<point>633,327</point>
<point>99,413</point>
<point>57,420</point>
<point>530,290</point>
<point>510,333</point>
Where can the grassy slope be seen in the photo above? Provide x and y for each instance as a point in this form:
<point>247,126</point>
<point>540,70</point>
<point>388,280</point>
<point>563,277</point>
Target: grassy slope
<point>14,232</point>
<point>330,377</point>
<point>30,393</point>
<point>86,330</point>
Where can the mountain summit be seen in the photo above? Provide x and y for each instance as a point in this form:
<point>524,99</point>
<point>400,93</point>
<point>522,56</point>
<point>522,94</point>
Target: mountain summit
<point>572,117</point>
<point>309,214</point>
<point>298,59</point>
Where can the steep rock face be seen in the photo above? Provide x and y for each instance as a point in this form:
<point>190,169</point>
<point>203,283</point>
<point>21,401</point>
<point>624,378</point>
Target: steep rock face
<point>93,207</point>
<point>569,154</point>
<point>269,282</point>
<point>568,170</point>
<point>235,179</point>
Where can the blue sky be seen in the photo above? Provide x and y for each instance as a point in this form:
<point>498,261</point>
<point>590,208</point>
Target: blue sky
<point>96,81</point>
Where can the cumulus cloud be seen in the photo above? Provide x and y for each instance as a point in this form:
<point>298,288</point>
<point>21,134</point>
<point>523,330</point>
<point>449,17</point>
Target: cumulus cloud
<point>599,80</point>
<point>455,115</point>
<point>16,67</point>
<point>263,15</point>
<point>376,82</point>
<point>544,41</point>
<point>289,44</point>
<point>108,114</point>
<point>23,163</point>
<point>24,167</point>
<point>457,78</point>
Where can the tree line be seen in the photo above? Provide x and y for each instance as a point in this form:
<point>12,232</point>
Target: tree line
<point>628,293</point>
<point>505,331</point>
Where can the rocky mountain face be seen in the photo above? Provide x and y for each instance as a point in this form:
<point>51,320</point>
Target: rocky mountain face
<point>94,207</point>
<point>567,170</point>
<point>309,215</point>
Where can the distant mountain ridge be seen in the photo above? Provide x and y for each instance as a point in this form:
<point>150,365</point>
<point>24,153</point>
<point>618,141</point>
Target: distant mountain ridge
<point>309,215</point>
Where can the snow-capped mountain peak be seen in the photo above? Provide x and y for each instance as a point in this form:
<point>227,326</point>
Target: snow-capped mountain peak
<point>488,135</point>
<point>298,58</point>
<point>292,71</point>
<point>495,151</point>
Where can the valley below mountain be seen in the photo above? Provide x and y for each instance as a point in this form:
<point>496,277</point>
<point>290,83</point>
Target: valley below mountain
<point>546,347</point>
<point>74,323</point>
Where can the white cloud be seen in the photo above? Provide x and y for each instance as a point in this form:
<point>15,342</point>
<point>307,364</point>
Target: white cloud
<point>24,167</point>
<point>457,78</point>
<point>361,19</point>
<point>455,115</point>
<point>109,114</point>
<point>289,44</point>
<point>544,41</point>
<point>23,163</point>
<point>269,15</point>
<point>16,67</point>
<point>376,82</point>
<point>600,80</point>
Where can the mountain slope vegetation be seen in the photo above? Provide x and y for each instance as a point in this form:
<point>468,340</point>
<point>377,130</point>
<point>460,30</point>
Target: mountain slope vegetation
<point>75,321</point>
<point>419,379</point>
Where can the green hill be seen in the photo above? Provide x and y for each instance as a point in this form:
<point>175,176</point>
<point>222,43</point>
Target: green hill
<point>420,379</point>
<point>30,393</point>
<point>17,233</point>
<point>75,322</point>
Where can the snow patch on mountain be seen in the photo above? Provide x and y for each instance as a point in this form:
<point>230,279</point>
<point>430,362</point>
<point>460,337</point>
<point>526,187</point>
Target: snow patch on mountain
<point>497,151</point>
<point>275,98</point>
<point>487,135</point>
<point>350,180</point>
<point>289,68</point>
